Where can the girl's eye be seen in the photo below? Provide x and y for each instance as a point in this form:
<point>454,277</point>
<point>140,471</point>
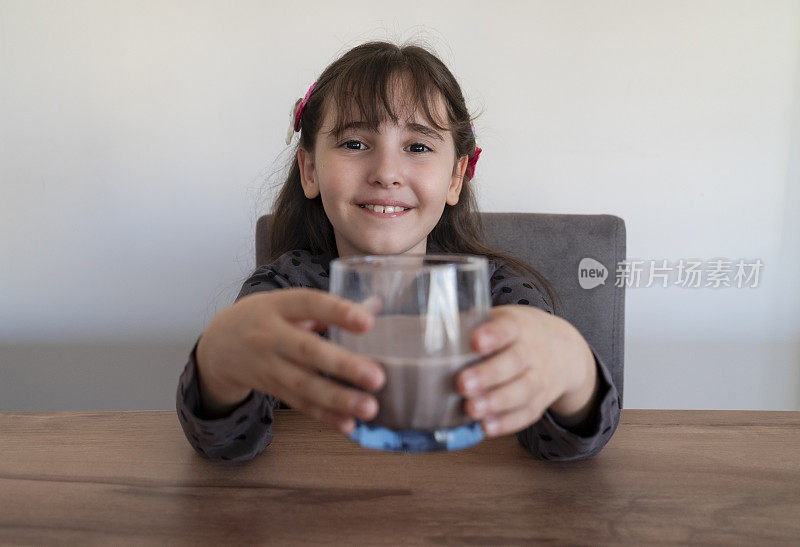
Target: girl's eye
<point>352,145</point>
<point>418,147</point>
<point>358,145</point>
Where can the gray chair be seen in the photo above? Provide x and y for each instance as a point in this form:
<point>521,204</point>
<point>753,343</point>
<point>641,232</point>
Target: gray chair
<point>555,245</point>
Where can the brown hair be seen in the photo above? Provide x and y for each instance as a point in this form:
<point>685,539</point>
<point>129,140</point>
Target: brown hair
<point>362,77</point>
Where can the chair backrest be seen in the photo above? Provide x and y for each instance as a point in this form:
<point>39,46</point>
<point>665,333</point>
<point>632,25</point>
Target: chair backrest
<point>555,244</point>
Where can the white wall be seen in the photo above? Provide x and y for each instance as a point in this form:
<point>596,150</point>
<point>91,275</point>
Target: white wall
<point>136,140</point>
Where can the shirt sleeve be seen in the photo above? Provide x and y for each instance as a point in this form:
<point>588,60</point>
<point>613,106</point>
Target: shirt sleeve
<point>247,430</point>
<point>240,436</point>
<point>547,438</point>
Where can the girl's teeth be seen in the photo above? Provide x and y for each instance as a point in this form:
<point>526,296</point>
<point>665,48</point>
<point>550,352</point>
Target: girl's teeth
<point>386,209</point>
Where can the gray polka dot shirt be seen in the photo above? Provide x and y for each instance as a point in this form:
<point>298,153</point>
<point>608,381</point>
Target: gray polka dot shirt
<point>247,430</point>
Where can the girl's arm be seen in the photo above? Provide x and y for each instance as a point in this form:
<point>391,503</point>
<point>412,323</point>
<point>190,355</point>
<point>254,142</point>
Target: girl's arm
<point>238,436</point>
<point>574,409</point>
<point>245,430</point>
<point>264,343</point>
<point>555,438</point>
<point>571,406</point>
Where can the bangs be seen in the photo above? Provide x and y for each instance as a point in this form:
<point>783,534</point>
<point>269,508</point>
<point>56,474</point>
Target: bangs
<point>379,91</point>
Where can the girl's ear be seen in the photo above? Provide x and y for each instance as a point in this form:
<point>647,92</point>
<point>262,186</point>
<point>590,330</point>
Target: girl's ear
<point>305,160</point>
<point>456,181</point>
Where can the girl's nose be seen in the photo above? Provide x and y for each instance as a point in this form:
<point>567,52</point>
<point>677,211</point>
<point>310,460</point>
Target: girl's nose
<point>387,169</point>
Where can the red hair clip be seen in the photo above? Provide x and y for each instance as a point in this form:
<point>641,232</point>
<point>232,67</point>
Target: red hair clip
<point>470,172</point>
<point>472,161</point>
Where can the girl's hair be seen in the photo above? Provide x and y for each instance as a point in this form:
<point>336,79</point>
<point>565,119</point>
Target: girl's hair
<point>358,85</point>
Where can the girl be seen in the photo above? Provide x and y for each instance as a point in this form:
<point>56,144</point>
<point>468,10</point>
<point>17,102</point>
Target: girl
<point>384,165</point>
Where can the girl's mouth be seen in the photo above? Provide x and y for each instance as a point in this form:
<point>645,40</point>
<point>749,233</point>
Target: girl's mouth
<point>384,212</point>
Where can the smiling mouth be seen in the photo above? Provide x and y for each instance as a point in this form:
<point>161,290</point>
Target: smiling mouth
<point>384,208</point>
<point>384,212</point>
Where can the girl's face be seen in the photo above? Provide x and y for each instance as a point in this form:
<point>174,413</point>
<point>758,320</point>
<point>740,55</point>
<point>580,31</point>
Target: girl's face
<point>410,162</point>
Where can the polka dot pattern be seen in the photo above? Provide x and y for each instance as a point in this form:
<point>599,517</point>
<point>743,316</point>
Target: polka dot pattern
<point>247,430</point>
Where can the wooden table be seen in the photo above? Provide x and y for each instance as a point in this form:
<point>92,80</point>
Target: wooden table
<point>726,477</point>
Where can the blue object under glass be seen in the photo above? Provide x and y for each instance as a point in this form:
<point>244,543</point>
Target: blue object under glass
<point>378,437</point>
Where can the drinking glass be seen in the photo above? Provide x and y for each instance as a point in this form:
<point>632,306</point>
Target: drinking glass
<point>426,307</point>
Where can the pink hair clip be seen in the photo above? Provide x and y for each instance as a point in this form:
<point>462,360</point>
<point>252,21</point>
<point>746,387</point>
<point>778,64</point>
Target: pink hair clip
<point>296,112</point>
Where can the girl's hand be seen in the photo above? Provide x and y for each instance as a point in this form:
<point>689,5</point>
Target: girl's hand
<point>538,361</point>
<point>266,342</point>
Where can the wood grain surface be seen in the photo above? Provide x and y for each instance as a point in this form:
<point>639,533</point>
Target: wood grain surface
<point>680,477</point>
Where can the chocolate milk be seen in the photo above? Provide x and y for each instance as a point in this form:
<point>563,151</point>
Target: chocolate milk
<point>420,392</point>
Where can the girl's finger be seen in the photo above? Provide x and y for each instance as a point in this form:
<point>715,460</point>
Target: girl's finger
<point>513,394</point>
<point>302,304</point>
<point>491,372</point>
<point>373,304</point>
<point>341,422</point>
<point>497,333</point>
<point>312,351</point>
<point>510,422</point>
<point>311,325</point>
<point>303,382</point>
